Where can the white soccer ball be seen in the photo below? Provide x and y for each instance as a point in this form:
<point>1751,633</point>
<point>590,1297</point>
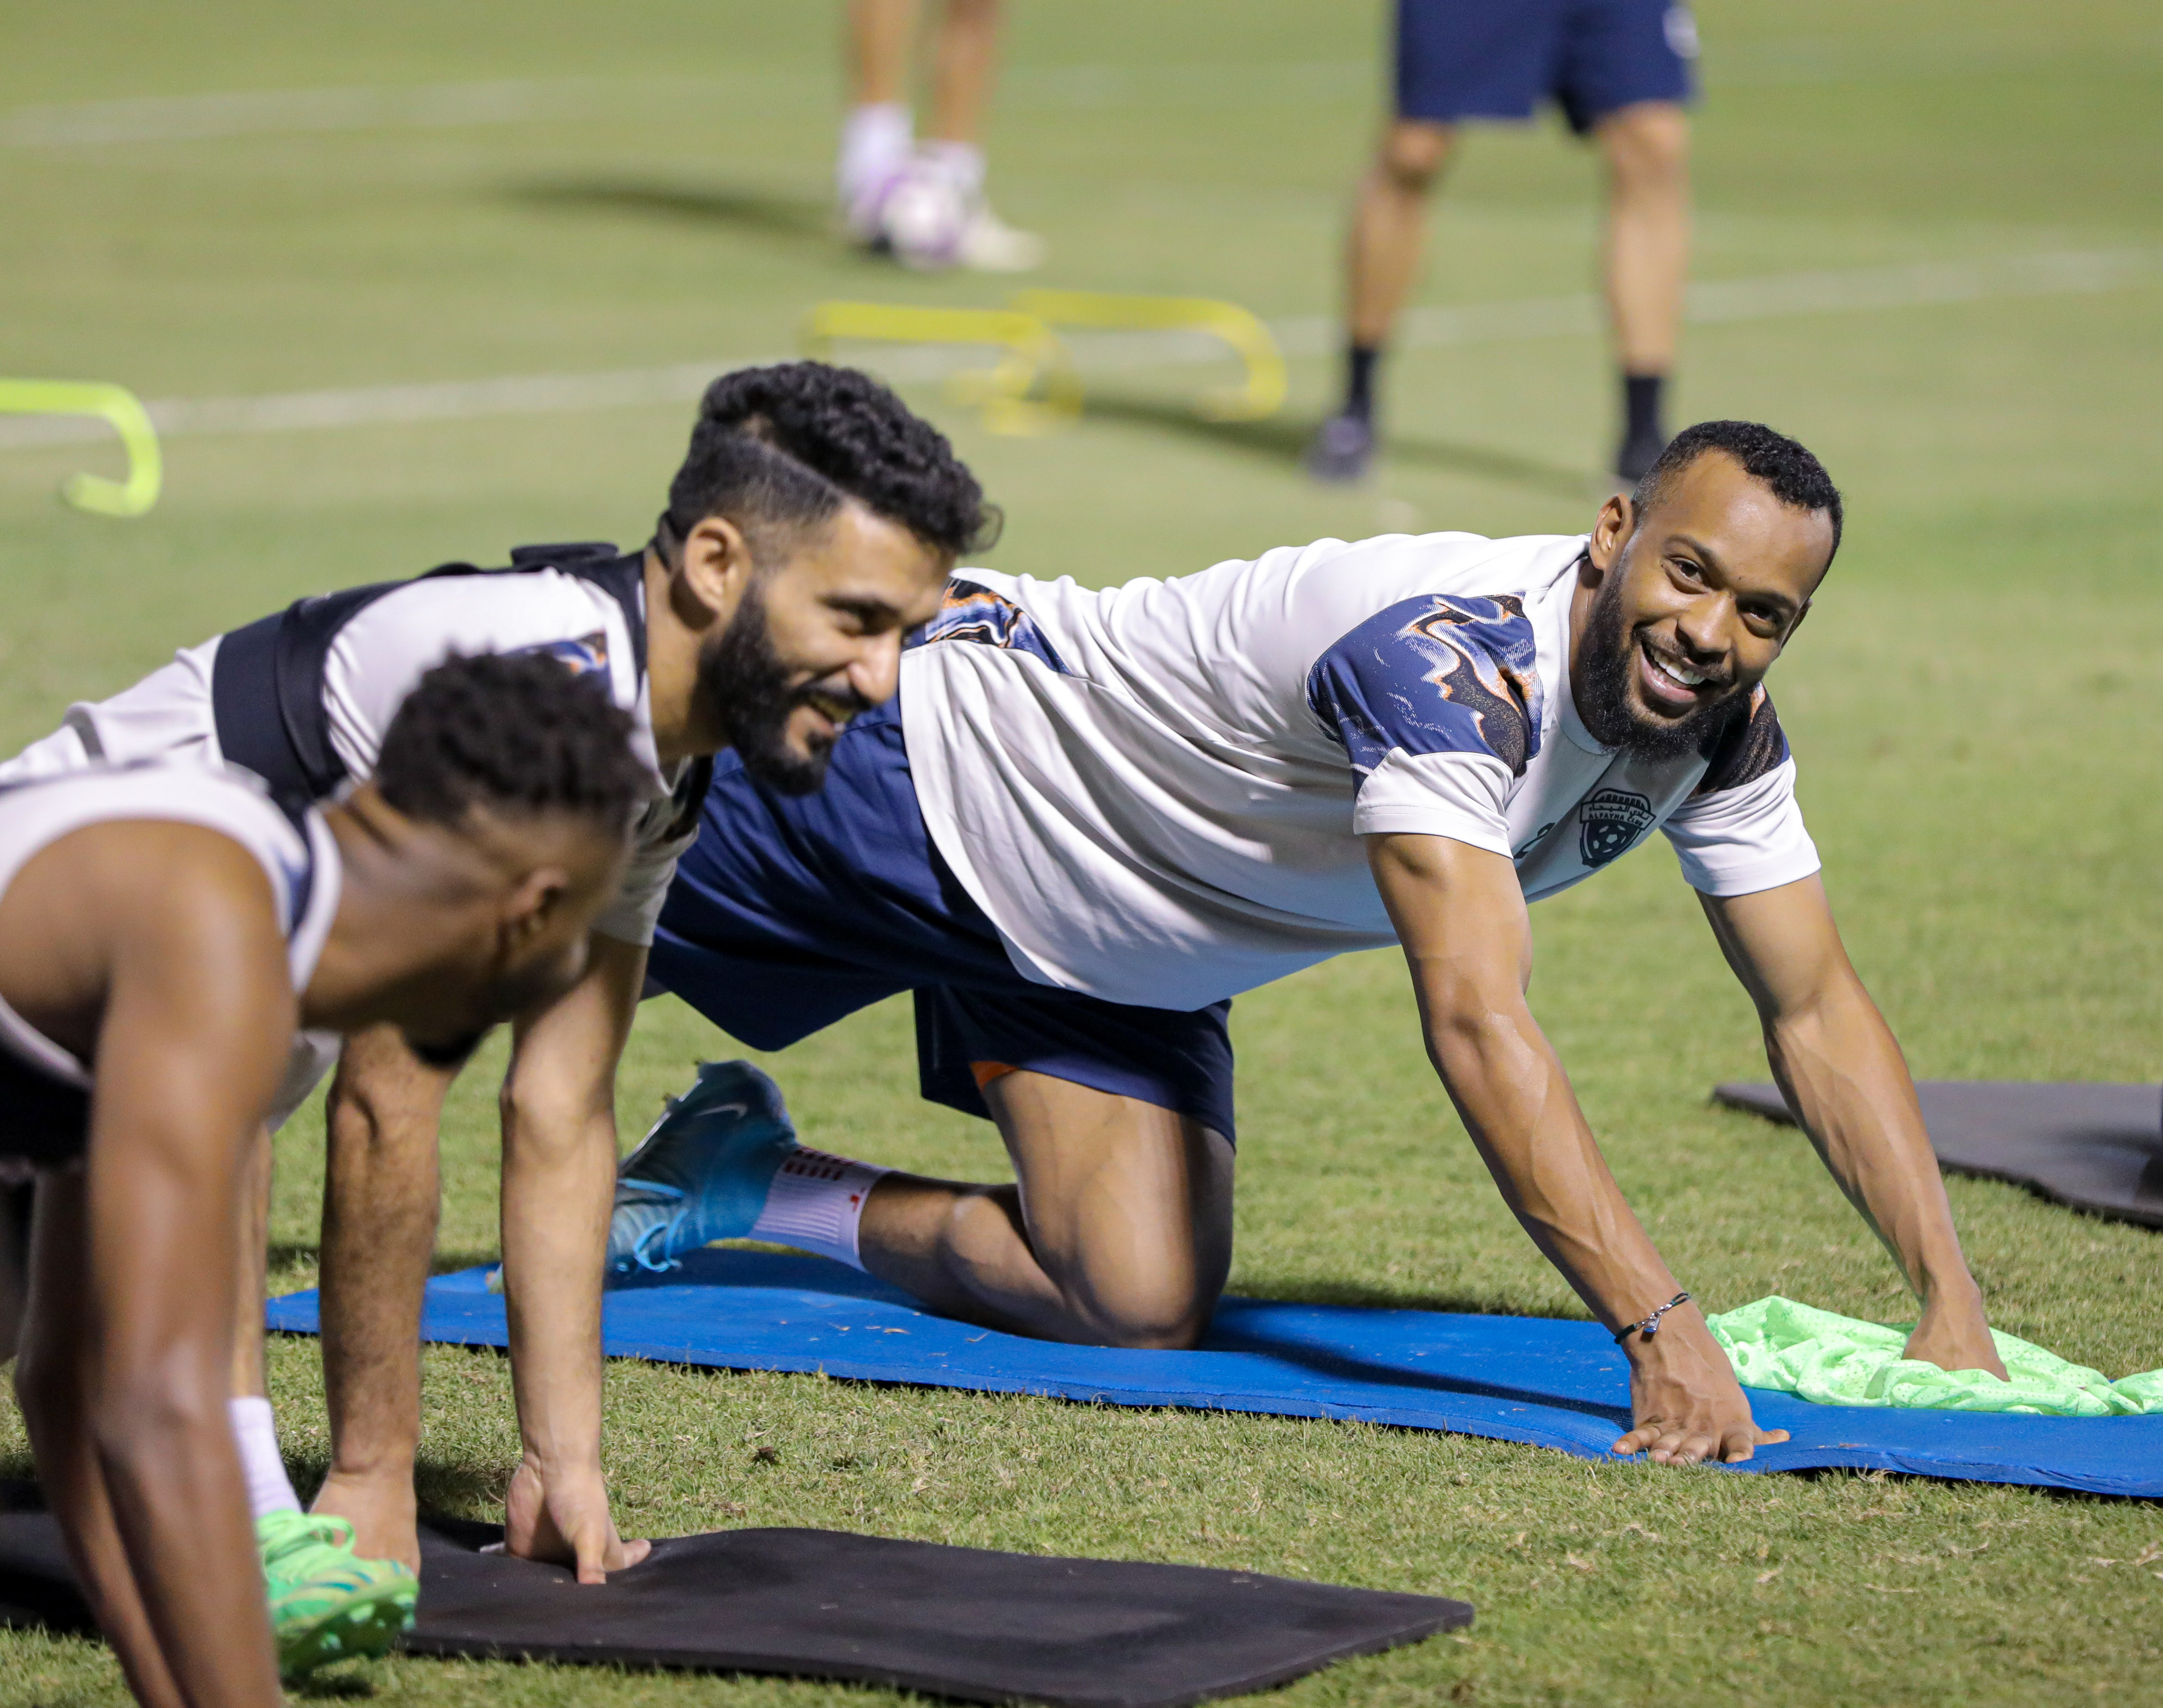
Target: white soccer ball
<point>923,218</point>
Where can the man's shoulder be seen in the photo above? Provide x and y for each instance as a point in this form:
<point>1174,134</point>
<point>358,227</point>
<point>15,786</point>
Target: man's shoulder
<point>1753,746</point>
<point>1435,673</point>
<point>509,610</point>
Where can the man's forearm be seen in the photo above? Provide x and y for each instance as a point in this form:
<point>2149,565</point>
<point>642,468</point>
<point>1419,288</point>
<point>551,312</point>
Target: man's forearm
<point>559,1187</point>
<point>1844,1076</point>
<point>1517,1104</point>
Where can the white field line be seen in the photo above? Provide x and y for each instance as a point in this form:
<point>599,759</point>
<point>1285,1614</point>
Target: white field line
<point>1725,303</point>
<point>286,111</point>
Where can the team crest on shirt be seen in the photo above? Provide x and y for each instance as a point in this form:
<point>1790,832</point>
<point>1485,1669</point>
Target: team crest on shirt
<point>581,657</point>
<point>1609,824</point>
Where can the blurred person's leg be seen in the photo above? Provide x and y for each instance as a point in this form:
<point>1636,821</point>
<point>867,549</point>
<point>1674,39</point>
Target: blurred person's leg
<point>1622,76</point>
<point>965,63</point>
<point>269,1489</point>
<point>1382,257</point>
<point>877,137</point>
<point>1455,60</point>
<point>964,68</point>
<point>1647,259</point>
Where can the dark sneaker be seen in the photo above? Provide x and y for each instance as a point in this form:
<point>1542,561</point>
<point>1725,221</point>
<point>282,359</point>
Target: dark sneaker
<point>1343,451</point>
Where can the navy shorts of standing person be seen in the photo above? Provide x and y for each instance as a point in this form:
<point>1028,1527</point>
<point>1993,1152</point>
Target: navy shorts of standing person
<point>1620,69</point>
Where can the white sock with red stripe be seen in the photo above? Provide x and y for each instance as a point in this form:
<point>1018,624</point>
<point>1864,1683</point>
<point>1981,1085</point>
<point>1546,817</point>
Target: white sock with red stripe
<point>816,1204</point>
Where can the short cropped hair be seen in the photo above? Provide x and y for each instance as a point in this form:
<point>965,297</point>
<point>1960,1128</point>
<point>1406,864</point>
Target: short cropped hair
<point>1788,470</point>
<point>786,445</point>
<point>513,733</point>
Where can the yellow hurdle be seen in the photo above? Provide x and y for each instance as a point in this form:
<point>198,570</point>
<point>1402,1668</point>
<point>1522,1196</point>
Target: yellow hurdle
<point>1262,395</point>
<point>110,403</point>
<point>1033,387</point>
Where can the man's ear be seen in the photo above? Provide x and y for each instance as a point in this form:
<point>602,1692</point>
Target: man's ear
<point>530,906</point>
<point>712,572</point>
<point>1610,532</point>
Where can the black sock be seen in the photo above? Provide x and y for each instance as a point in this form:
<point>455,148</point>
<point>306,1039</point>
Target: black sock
<point>1359,361</point>
<point>1640,408</point>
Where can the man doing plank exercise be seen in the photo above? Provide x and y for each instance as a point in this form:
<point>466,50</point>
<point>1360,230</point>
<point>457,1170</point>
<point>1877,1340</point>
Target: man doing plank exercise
<point>164,929</point>
<point>813,521</point>
<point>1099,815</point>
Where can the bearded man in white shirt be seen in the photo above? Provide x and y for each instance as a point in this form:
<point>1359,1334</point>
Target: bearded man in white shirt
<point>1092,818</point>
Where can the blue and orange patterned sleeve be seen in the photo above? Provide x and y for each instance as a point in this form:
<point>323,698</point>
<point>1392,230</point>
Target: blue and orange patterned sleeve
<point>973,612</point>
<point>1439,673</point>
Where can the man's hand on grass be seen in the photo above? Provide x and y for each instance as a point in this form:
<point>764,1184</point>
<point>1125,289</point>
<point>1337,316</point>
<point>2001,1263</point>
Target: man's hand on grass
<point>565,1518</point>
<point>1684,1400</point>
<point>1954,1334</point>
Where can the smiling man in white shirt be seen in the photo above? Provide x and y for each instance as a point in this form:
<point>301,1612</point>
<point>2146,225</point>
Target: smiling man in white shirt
<point>1092,818</point>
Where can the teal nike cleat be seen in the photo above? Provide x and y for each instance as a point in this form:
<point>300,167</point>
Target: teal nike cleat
<point>702,1173</point>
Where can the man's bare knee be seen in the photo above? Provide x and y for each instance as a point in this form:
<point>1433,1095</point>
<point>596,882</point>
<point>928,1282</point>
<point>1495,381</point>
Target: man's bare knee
<point>1412,153</point>
<point>1145,1314</point>
<point>1647,145</point>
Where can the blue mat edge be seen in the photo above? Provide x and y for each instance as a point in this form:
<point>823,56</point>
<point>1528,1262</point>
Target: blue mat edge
<point>298,1313</point>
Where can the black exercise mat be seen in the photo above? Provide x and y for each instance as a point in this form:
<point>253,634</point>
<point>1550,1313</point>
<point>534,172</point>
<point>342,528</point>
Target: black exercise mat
<point>964,1622</point>
<point>2098,1148</point>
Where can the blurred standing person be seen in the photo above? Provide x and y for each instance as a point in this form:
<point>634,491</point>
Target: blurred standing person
<point>1620,71</point>
<point>924,203</point>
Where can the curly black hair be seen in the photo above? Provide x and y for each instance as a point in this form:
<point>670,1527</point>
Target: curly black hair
<point>1792,473</point>
<point>785,445</point>
<point>511,732</point>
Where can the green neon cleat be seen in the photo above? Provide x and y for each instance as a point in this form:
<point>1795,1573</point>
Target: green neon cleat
<point>327,1603</point>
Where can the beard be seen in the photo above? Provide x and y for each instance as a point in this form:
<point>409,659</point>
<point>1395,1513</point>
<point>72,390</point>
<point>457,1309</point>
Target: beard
<point>1608,653</point>
<point>746,685</point>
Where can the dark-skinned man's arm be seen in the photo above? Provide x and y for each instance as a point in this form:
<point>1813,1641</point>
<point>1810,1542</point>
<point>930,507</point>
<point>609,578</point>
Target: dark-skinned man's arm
<point>1844,1076</point>
<point>125,1372</point>
<point>1461,917</point>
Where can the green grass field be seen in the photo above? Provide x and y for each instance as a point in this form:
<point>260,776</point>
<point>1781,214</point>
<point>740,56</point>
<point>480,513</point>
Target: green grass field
<point>1974,706</point>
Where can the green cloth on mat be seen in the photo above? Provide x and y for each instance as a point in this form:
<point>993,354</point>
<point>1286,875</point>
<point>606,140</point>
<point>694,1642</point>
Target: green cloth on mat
<point>1837,1360</point>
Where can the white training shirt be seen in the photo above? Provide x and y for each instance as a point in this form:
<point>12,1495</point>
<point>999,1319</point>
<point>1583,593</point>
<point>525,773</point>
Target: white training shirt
<point>301,860</point>
<point>376,659</point>
<point>1156,792</point>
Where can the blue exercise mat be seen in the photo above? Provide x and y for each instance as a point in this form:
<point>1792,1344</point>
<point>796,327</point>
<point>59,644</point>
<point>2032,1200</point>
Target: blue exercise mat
<point>1550,1384</point>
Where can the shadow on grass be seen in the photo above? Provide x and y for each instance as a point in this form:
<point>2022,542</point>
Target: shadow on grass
<point>287,1255</point>
<point>287,1259</point>
<point>331,1687</point>
<point>758,210</point>
<point>461,1490</point>
<point>450,1262</point>
<point>1284,439</point>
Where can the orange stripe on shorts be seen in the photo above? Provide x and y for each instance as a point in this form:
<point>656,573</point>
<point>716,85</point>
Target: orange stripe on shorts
<point>987,1071</point>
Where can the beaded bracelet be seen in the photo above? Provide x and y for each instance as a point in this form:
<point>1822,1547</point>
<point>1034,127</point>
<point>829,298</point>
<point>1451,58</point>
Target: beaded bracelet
<point>1650,1326</point>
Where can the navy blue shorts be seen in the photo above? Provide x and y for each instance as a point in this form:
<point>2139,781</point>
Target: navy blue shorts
<point>1500,59</point>
<point>789,913</point>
